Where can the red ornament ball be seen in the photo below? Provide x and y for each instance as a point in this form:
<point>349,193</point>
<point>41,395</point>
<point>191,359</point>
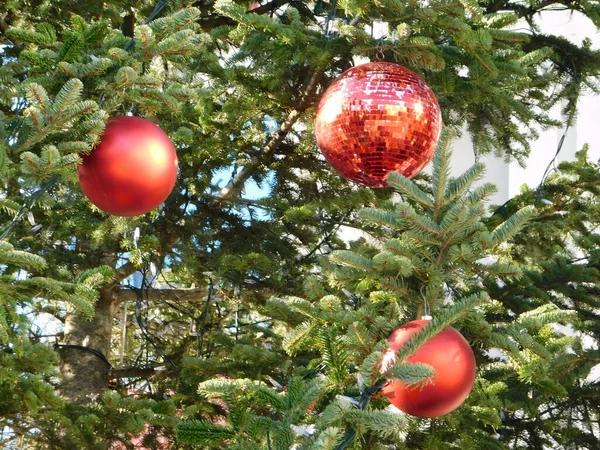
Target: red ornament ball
<point>452,359</point>
<point>377,118</point>
<point>132,170</point>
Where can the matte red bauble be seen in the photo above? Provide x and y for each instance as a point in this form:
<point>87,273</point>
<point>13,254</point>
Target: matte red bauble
<point>132,170</point>
<point>376,118</point>
<point>452,359</point>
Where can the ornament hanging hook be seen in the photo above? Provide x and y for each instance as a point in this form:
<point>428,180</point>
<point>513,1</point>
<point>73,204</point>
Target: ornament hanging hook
<point>426,310</point>
<point>425,306</point>
<point>380,54</point>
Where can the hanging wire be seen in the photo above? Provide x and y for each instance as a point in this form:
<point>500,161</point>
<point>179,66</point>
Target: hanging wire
<point>549,169</point>
<point>326,235</point>
<point>552,164</point>
<point>142,323</point>
<point>18,119</point>
<point>330,17</point>
<point>353,298</point>
<point>380,55</point>
<point>426,313</point>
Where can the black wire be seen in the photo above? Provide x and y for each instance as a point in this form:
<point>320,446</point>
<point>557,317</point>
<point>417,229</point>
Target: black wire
<point>142,324</point>
<point>93,351</point>
<point>17,120</point>
<point>327,236</point>
<point>157,10</point>
<point>268,440</point>
<point>353,298</point>
<point>312,372</point>
<point>330,16</point>
<point>540,188</point>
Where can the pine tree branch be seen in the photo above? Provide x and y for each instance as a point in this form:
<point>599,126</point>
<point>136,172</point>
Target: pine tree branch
<point>125,294</point>
<point>441,171</point>
<point>213,21</point>
<point>180,295</point>
<point>362,404</point>
<point>267,8</point>
<point>237,183</point>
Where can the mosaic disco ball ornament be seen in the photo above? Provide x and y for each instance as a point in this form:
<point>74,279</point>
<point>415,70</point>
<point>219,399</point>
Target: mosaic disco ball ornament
<point>377,118</point>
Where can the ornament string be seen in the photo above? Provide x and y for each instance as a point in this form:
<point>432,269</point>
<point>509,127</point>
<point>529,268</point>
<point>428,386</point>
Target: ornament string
<point>380,55</point>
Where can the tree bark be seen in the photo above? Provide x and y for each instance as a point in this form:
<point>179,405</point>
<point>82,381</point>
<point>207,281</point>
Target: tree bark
<point>84,365</point>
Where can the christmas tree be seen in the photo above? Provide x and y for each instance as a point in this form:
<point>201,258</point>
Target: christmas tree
<point>235,315</point>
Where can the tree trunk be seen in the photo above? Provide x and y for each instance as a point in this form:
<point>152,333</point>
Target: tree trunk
<point>86,346</point>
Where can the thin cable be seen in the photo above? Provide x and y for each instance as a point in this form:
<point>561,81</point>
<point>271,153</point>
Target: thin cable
<point>540,188</point>
<point>157,10</point>
<point>17,120</point>
<point>327,236</point>
<point>426,309</point>
<point>93,351</point>
<point>330,17</point>
<point>142,324</point>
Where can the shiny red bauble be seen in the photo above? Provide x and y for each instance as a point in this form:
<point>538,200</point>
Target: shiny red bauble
<point>132,170</point>
<point>452,359</point>
<point>377,118</point>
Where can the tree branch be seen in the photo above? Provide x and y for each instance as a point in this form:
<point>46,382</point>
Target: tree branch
<point>213,21</point>
<point>180,295</point>
<point>132,372</point>
<point>121,273</point>
<point>268,152</point>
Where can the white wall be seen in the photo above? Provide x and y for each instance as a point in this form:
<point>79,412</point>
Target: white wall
<point>510,177</point>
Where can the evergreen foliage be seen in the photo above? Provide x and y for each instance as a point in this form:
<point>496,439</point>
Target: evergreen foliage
<point>243,333</point>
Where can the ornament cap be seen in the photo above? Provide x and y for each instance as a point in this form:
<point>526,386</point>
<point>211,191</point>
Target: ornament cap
<point>427,317</point>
